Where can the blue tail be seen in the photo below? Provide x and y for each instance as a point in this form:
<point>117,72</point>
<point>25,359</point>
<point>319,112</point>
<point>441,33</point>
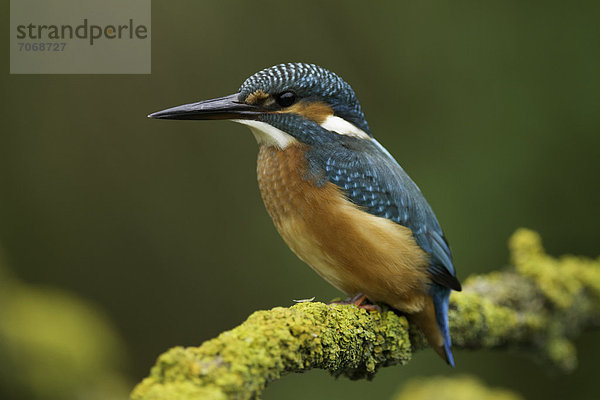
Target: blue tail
<point>441,298</point>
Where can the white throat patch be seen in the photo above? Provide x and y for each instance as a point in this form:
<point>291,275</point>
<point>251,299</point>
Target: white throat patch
<point>267,134</point>
<point>343,127</point>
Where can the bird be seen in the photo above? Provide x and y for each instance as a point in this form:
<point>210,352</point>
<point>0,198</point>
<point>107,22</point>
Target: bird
<point>337,197</point>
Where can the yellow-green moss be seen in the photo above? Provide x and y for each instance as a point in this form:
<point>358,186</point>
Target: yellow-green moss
<point>477,322</point>
<point>561,280</point>
<point>570,286</point>
<point>536,307</point>
<point>338,338</point>
<point>442,388</point>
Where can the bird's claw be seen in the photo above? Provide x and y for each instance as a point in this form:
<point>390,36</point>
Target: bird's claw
<point>359,301</point>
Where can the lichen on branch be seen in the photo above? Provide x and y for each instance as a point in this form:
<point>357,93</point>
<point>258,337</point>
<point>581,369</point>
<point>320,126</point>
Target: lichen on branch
<point>338,338</point>
<point>535,306</point>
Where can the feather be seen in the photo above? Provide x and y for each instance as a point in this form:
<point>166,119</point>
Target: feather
<point>373,180</point>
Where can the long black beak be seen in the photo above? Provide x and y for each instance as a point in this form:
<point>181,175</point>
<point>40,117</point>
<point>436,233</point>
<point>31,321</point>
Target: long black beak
<point>228,107</point>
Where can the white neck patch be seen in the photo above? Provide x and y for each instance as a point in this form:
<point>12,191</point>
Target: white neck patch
<point>266,134</point>
<point>343,127</point>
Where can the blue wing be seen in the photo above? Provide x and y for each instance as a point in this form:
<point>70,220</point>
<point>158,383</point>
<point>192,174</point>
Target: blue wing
<point>373,180</point>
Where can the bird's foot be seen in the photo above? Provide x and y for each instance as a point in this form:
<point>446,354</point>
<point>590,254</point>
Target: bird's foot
<point>359,301</point>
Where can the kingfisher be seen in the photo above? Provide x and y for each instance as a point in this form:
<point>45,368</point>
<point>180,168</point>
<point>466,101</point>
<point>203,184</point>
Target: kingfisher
<point>338,198</point>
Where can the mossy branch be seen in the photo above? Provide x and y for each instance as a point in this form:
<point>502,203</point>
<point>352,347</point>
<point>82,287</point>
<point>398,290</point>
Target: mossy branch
<point>537,306</point>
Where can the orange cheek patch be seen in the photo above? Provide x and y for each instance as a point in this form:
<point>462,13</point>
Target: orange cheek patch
<point>317,111</point>
<point>256,97</point>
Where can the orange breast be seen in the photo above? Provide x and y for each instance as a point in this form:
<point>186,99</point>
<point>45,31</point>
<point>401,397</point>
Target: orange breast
<point>353,250</point>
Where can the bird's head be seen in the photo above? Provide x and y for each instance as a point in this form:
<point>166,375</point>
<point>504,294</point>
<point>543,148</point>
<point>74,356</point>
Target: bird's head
<point>286,103</point>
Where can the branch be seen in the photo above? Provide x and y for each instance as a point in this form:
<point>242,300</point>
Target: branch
<point>536,307</point>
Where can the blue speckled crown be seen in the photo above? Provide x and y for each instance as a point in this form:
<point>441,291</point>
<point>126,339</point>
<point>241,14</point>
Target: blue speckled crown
<point>309,81</point>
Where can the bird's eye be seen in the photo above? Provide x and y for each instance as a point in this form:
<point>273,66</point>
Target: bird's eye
<point>286,99</point>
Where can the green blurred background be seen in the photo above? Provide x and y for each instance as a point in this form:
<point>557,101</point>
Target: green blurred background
<point>492,107</point>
